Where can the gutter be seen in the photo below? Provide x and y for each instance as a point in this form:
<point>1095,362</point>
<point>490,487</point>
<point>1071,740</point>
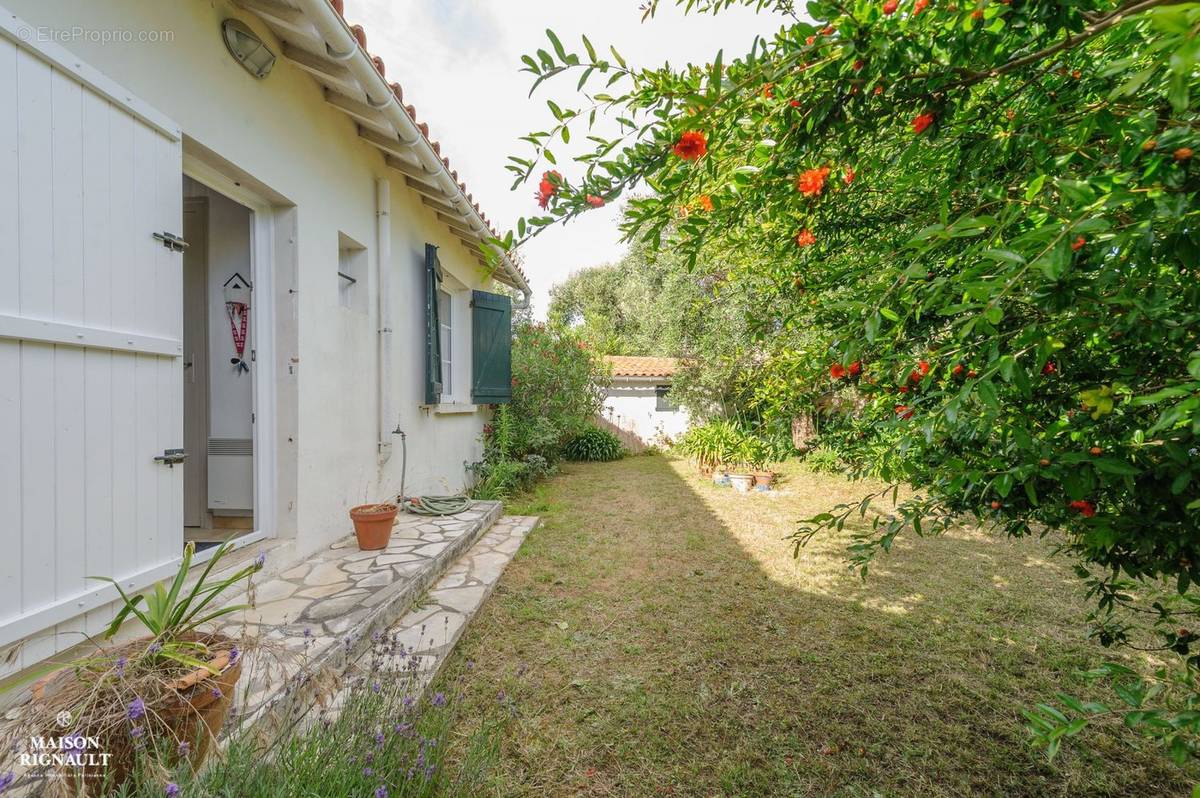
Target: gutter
<point>343,47</point>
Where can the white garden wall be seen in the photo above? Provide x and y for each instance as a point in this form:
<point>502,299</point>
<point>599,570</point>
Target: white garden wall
<point>631,404</point>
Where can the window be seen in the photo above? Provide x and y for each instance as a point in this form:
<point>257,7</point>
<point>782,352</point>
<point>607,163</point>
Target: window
<point>663,402</point>
<point>445,332</point>
<point>351,274</point>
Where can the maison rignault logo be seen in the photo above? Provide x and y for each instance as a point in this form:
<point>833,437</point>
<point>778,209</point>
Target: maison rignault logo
<point>69,750</point>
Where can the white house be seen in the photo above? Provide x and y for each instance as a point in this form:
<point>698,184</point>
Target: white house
<point>638,401</point>
<point>236,274</point>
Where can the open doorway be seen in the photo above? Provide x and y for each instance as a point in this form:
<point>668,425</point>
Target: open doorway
<point>218,395</point>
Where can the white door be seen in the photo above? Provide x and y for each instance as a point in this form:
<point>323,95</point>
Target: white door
<point>90,349</point>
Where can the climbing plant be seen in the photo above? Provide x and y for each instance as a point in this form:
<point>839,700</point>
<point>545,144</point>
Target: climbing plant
<point>986,209</point>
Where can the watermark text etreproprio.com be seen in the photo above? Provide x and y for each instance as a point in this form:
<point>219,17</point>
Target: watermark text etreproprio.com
<point>80,33</point>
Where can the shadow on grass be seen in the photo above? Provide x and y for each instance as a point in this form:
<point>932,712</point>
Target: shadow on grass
<point>675,647</point>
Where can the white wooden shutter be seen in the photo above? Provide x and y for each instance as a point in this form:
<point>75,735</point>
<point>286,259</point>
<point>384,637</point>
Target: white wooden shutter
<point>90,350</point>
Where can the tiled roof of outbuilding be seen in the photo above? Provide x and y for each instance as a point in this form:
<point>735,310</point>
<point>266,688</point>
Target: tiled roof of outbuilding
<point>637,366</point>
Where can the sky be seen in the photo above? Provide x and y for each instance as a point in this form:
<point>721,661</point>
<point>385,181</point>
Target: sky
<point>458,62</point>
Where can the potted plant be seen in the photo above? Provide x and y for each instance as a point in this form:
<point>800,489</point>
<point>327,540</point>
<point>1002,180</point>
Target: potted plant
<point>164,695</point>
<point>740,453</point>
<point>373,524</point>
<point>757,453</point>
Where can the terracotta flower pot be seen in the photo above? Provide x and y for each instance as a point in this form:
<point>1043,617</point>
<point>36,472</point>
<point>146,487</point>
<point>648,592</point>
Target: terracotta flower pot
<point>193,711</point>
<point>764,478</point>
<point>373,524</point>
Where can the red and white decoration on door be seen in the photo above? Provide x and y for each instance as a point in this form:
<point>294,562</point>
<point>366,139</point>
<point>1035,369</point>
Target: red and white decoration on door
<point>237,308</point>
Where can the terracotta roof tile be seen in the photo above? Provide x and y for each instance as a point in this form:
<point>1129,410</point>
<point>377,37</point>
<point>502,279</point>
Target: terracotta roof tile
<point>636,366</point>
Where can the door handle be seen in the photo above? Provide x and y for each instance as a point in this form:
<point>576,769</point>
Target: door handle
<point>188,365</point>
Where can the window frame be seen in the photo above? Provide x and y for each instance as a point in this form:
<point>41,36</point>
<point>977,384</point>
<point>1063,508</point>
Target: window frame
<point>445,300</point>
<point>662,400</point>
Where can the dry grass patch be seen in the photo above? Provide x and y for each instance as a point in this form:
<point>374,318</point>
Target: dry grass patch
<point>675,647</point>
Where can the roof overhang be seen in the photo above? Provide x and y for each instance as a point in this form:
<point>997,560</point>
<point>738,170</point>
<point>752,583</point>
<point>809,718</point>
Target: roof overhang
<point>318,40</point>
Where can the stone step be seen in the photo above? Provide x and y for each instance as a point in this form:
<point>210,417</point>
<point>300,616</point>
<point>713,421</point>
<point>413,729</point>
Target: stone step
<point>310,622</point>
<point>428,632</point>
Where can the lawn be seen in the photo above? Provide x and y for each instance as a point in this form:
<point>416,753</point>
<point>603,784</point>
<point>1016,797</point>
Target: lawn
<point>671,645</point>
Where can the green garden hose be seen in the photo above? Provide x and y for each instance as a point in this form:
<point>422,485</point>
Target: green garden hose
<point>426,505</point>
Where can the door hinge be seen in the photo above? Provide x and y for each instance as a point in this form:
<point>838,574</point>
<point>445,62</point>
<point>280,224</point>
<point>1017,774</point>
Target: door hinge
<point>171,241</point>
<point>170,457</point>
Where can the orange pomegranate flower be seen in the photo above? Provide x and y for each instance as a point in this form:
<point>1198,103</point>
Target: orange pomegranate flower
<point>547,187</point>
<point>848,178</point>
<point>919,6</point>
<point>768,91</point>
<point>921,122</point>
<point>1078,243</point>
<point>812,182</point>
<point>890,7</point>
<point>594,201</point>
<point>705,202</point>
<point>904,411</point>
<point>692,145</point>
<point>837,371</point>
<point>805,238</point>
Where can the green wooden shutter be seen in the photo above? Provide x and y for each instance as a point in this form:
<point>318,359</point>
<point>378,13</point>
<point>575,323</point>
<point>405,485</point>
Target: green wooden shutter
<point>433,349</point>
<point>491,348</point>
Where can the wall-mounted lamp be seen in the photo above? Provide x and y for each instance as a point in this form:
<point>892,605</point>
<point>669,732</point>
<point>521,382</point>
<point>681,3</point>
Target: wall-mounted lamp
<point>247,48</point>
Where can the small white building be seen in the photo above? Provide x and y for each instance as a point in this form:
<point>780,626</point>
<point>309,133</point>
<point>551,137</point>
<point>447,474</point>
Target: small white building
<point>639,402</point>
<point>236,273</point>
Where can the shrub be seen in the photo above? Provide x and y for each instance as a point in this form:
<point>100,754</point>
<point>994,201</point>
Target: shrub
<point>824,460</point>
<point>595,444</point>
<point>558,386</point>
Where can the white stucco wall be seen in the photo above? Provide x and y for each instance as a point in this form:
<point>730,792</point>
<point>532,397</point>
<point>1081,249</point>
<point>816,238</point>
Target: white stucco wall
<point>282,133</point>
<point>631,405</point>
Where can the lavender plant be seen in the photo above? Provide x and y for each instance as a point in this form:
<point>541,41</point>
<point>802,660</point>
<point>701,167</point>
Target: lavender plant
<point>388,733</point>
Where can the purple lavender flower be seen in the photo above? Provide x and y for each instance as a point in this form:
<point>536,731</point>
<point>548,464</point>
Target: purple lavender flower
<point>121,663</point>
<point>375,637</point>
<point>439,699</point>
<point>137,708</point>
<point>184,748</point>
<point>155,647</point>
<point>307,632</point>
<point>501,696</point>
<point>172,790</point>
<point>381,792</point>
<point>260,560</point>
<point>429,772</point>
<point>409,701</point>
<point>135,732</point>
<point>216,692</point>
<point>379,737</point>
<point>234,655</point>
<point>8,778</point>
<point>376,687</point>
<point>368,772</point>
